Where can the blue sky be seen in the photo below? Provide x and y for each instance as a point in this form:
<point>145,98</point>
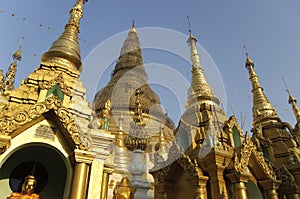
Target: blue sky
<point>270,29</point>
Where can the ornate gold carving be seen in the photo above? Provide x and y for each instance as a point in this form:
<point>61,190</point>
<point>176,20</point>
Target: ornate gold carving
<point>2,80</point>
<point>124,190</point>
<point>189,167</point>
<point>82,156</point>
<point>241,160</point>
<point>230,123</point>
<point>162,174</point>
<point>10,124</point>
<point>4,143</point>
<point>286,177</point>
<point>162,168</point>
<point>137,137</point>
<point>60,81</point>
<point>258,138</point>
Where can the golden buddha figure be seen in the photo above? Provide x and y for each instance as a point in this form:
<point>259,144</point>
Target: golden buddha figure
<point>105,117</point>
<point>28,188</point>
<point>124,190</point>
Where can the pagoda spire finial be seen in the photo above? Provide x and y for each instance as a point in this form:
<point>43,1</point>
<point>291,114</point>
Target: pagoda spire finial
<point>262,108</point>
<point>8,82</point>
<point>133,26</point>
<point>190,30</point>
<point>249,61</point>
<point>66,47</point>
<point>161,145</point>
<point>292,101</point>
<point>200,87</point>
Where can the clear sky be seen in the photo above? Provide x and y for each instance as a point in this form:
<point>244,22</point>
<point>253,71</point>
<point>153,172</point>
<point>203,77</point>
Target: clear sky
<point>270,29</point>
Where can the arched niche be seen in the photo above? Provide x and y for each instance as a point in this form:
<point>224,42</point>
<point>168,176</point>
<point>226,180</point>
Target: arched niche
<point>58,169</point>
<point>180,181</point>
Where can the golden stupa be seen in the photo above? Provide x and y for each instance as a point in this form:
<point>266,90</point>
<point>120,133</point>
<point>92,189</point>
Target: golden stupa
<point>54,144</point>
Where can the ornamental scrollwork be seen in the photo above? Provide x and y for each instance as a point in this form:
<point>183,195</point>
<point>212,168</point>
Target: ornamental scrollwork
<point>4,143</point>
<point>286,177</point>
<point>241,160</point>
<point>230,123</point>
<point>162,174</point>
<point>9,124</point>
<point>189,167</point>
<point>59,80</point>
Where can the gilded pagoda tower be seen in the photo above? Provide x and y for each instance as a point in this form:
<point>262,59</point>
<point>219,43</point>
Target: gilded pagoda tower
<point>211,157</point>
<point>128,77</point>
<point>276,140</point>
<point>46,138</point>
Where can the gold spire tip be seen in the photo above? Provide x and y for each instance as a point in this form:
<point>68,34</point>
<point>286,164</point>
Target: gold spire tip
<point>249,61</point>
<point>291,98</point>
<point>17,55</point>
<point>21,42</point>
<point>133,26</point>
<point>245,51</point>
<point>286,87</point>
<point>190,30</point>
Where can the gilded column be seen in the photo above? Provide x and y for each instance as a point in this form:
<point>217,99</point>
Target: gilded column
<point>216,179</point>
<point>200,187</point>
<point>239,184</point>
<point>270,188</point>
<point>218,186</point>
<point>105,181</point>
<point>240,190</point>
<point>293,196</point>
<point>81,174</point>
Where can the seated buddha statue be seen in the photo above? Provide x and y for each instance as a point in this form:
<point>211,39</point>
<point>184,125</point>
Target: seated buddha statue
<point>28,188</point>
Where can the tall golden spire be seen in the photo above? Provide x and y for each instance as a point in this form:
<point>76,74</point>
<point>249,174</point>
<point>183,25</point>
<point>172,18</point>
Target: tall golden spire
<point>199,86</point>
<point>262,109</point>
<point>161,145</point>
<point>66,47</point>
<point>8,83</point>
<point>292,101</point>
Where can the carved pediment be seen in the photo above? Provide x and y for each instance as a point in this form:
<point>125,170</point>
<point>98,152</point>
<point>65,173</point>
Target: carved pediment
<point>230,123</point>
<point>59,80</point>
<point>248,152</point>
<point>10,124</point>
